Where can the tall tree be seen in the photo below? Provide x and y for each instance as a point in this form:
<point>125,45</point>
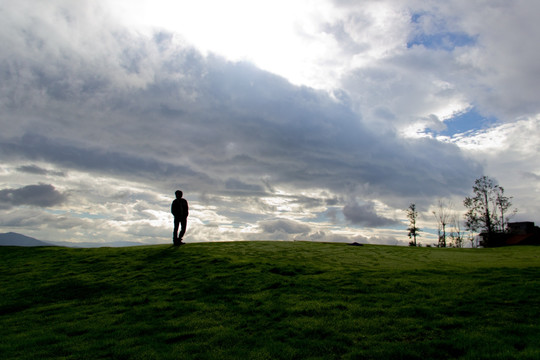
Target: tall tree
<point>412,215</point>
<point>442,215</point>
<point>487,208</point>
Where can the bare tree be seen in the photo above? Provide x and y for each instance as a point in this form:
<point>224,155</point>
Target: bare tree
<point>442,215</point>
<point>472,239</point>
<point>412,215</point>
<point>456,233</point>
<point>503,204</point>
<point>472,226</point>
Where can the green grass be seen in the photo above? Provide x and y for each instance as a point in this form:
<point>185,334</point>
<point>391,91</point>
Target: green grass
<point>269,300</point>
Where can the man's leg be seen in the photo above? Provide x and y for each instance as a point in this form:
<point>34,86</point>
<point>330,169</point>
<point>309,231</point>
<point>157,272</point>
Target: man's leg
<point>175,231</point>
<point>183,224</point>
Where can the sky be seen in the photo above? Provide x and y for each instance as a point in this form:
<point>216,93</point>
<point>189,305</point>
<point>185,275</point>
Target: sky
<point>318,120</point>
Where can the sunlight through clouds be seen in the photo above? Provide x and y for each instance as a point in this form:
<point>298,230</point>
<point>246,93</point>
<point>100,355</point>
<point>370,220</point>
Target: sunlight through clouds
<point>283,37</point>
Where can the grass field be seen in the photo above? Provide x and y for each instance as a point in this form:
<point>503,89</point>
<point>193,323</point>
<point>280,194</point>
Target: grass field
<point>269,300</point>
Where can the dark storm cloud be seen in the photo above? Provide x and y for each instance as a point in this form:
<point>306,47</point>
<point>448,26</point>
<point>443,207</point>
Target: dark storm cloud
<point>234,184</point>
<point>37,147</point>
<point>154,109</point>
<point>34,169</point>
<point>366,215</point>
<point>42,195</point>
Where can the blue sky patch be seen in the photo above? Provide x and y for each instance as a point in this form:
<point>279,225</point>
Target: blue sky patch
<point>440,40</point>
<point>445,41</point>
<point>470,120</point>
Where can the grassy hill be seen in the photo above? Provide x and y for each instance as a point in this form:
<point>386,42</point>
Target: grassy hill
<point>269,300</point>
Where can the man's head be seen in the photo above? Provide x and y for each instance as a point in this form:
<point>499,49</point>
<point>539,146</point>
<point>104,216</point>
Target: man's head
<point>178,194</point>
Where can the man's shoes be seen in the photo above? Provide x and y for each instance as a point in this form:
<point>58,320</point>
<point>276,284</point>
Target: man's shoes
<point>178,242</point>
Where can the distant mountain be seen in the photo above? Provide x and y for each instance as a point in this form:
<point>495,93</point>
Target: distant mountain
<point>14,239</point>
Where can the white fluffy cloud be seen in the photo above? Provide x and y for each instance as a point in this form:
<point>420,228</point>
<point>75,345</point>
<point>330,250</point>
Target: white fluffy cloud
<point>510,155</point>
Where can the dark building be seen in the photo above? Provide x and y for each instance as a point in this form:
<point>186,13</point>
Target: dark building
<point>525,227</point>
<point>519,233</point>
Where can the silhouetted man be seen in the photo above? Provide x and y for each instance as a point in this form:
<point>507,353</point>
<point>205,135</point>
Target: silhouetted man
<point>180,210</point>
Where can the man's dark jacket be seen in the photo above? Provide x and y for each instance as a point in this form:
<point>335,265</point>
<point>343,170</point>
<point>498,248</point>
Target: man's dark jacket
<point>179,208</point>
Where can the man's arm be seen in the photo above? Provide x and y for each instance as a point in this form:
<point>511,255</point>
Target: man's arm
<point>186,207</point>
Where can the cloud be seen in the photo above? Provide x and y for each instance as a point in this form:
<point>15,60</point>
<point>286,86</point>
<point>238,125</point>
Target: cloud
<point>438,59</point>
<point>237,185</point>
<point>510,152</point>
<point>531,175</point>
<point>42,195</point>
<point>34,169</point>
<point>92,158</point>
<point>220,129</point>
<point>284,225</point>
<point>203,117</point>
<point>322,236</point>
<point>37,221</point>
<point>366,215</point>
<point>125,116</point>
